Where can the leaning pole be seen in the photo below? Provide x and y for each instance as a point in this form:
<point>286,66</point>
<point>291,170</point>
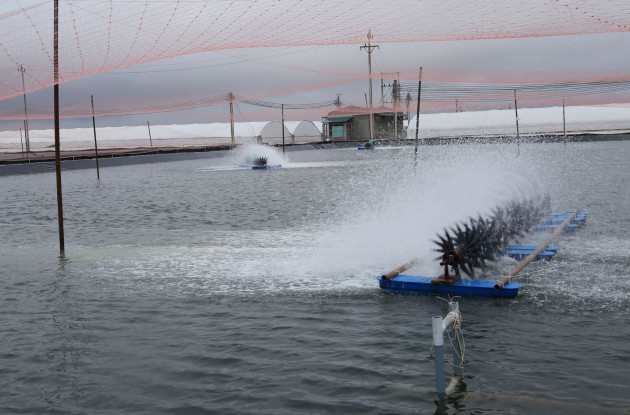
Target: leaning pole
<point>56,112</point>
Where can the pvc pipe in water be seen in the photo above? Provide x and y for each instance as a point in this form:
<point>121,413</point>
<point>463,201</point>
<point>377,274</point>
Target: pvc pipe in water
<point>438,349</point>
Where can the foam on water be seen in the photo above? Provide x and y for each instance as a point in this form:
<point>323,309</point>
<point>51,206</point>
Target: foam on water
<point>245,153</point>
<point>385,213</point>
<point>380,211</point>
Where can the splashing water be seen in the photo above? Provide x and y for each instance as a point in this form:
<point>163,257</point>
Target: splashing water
<point>246,154</point>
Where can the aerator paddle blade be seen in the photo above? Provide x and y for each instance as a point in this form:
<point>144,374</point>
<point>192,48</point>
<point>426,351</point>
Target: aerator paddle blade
<point>481,240</point>
<point>260,161</point>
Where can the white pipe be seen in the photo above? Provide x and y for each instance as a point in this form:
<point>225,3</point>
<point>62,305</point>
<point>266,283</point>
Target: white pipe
<point>438,331</point>
<point>448,321</point>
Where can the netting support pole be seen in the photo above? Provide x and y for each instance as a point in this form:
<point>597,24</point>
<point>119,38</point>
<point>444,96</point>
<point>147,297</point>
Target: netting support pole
<point>21,142</point>
<point>415,157</point>
<point>150,139</point>
<point>518,138</point>
<point>282,110</point>
<point>56,115</point>
<point>98,174</point>
<point>564,123</point>
<point>232,118</point>
<point>26,135</point>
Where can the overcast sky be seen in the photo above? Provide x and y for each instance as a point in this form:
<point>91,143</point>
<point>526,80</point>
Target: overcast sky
<point>313,74</point>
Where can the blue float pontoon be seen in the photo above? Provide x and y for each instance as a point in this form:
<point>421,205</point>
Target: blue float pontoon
<point>408,284</point>
<point>554,220</point>
<point>265,167</point>
<point>524,253</point>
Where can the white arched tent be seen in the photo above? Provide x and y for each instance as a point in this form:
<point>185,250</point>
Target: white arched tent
<point>306,131</point>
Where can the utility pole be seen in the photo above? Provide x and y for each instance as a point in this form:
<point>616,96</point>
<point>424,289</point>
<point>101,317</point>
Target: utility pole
<point>382,91</point>
<point>369,47</point>
<point>408,106</point>
<point>338,101</point>
<point>26,136</point>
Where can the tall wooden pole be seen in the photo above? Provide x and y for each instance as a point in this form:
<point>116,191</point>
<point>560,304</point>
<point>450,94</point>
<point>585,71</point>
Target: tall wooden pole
<point>98,174</point>
<point>415,157</point>
<point>56,114</point>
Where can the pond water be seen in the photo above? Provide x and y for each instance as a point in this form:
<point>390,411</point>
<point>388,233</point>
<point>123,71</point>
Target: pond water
<point>195,286</point>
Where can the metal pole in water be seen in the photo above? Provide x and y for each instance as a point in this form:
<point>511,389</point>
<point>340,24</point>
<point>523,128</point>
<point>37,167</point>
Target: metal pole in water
<point>98,174</point>
<point>438,350</point>
<point>282,109</point>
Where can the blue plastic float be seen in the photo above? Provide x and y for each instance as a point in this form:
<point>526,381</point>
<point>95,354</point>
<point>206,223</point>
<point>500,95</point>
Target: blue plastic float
<point>269,166</point>
<point>265,167</point>
<point>554,220</point>
<point>524,253</point>
<point>408,284</point>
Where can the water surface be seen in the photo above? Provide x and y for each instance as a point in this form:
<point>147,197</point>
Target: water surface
<point>193,286</point>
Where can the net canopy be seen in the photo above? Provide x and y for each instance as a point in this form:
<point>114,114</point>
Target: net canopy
<point>101,36</point>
